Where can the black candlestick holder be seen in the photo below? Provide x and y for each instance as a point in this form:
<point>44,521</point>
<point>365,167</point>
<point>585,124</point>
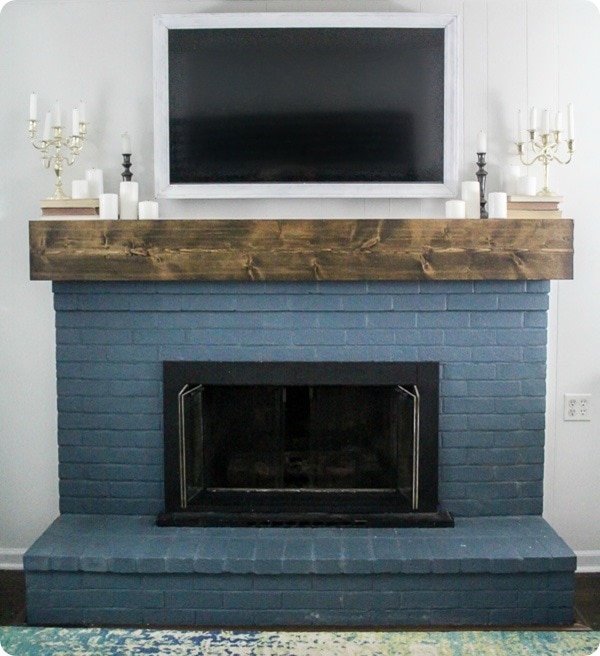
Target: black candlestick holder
<point>481,177</point>
<point>126,175</point>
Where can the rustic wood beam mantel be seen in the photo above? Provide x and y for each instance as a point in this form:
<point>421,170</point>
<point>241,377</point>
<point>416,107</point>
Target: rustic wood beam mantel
<point>315,249</point>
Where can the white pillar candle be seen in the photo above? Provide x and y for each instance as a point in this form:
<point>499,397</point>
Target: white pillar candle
<point>148,209</point>
<point>510,178</point>
<point>482,142</point>
<point>497,205</point>
<point>95,180</point>
<point>126,144</point>
<point>527,185</point>
<point>128,199</point>
<point>80,189</point>
<point>519,127</point>
<point>109,206</point>
<point>570,122</point>
<point>33,107</point>
<point>469,192</point>
<point>455,209</point>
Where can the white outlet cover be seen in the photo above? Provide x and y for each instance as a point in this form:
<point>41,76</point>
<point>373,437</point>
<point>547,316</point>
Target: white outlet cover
<point>578,407</point>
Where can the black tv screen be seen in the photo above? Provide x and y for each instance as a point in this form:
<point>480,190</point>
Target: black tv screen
<point>291,106</point>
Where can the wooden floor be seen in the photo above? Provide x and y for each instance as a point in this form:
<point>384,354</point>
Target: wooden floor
<point>587,600</point>
<point>12,599</point>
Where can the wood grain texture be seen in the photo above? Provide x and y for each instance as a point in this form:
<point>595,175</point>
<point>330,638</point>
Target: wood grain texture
<point>260,250</point>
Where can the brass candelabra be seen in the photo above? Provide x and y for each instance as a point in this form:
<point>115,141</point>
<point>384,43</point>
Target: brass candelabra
<point>58,150</point>
<point>545,145</point>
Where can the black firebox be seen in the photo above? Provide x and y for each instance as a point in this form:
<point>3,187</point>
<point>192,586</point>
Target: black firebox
<point>301,444</point>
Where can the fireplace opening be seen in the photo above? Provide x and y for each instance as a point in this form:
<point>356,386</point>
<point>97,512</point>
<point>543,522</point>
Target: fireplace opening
<point>296,443</point>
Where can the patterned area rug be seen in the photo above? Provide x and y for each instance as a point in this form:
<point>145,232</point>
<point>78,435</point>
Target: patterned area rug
<point>32,641</point>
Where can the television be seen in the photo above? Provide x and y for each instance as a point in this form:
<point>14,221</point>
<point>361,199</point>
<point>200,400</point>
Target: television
<point>282,105</point>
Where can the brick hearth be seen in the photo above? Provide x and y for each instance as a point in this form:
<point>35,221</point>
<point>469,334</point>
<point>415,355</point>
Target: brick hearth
<point>490,338</point>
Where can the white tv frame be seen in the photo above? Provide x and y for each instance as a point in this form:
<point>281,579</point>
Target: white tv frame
<point>448,188</point>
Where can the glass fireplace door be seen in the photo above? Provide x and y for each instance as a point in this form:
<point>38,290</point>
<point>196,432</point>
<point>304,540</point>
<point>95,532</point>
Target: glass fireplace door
<point>297,438</point>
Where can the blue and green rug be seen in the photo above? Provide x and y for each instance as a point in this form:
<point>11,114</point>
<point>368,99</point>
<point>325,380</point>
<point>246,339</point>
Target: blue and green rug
<point>32,641</point>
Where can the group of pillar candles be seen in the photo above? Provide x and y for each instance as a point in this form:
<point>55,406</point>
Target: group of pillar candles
<point>469,205</point>
<point>124,205</point>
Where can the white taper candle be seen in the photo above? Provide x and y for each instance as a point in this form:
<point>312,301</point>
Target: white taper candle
<point>33,107</point>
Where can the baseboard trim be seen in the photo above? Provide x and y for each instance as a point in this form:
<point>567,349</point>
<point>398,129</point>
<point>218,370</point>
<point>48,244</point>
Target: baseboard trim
<point>11,558</point>
<point>588,561</point>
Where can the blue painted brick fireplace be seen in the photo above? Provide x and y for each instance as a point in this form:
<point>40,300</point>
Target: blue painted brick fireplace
<point>490,338</point>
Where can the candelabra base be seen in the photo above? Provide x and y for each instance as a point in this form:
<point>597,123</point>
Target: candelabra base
<point>59,194</point>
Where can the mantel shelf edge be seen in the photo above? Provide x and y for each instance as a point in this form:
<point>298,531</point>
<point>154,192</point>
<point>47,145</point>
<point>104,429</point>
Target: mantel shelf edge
<point>301,249</point>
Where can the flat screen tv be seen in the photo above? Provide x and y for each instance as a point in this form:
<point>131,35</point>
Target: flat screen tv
<point>305,105</point>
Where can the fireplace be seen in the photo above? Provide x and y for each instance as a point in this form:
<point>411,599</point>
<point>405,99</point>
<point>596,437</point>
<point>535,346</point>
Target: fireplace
<point>105,560</point>
<point>301,444</point>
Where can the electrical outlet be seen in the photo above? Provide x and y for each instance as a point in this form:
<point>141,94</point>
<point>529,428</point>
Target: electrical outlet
<point>578,407</point>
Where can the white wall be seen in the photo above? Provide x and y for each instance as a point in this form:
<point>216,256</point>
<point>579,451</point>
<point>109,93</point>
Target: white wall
<point>516,53</point>
<point>573,449</point>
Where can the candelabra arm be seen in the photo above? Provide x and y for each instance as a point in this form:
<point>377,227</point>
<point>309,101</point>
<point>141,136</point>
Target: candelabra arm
<point>564,161</point>
<point>40,144</point>
<point>538,158</point>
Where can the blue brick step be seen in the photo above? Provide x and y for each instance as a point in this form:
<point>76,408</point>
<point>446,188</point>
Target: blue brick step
<point>126,570</point>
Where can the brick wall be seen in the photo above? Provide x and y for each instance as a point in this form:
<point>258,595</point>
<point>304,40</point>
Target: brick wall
<point>296,600</point>
<point>490,338</point>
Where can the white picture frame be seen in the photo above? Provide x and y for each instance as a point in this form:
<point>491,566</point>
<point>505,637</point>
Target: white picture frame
<point>444,189</point>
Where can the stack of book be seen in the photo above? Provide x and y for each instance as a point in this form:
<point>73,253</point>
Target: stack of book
<point>534,207</point>
<point>70,208</point>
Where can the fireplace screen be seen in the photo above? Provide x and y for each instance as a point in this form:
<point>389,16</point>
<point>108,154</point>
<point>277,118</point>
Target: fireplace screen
<point>298,439</point>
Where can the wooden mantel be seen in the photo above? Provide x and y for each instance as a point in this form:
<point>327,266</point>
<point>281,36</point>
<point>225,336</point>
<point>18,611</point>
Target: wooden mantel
<point>315,249</point>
